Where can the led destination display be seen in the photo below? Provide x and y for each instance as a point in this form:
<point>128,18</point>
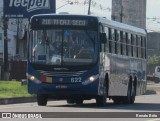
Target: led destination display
<point>63,22</point>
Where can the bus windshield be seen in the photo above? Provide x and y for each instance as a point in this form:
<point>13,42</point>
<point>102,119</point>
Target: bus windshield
<point>63,47</point>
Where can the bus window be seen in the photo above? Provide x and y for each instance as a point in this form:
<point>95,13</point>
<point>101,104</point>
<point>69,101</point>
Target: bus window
<point>113,35</point>
<point>116,43</point>
<point>129,45</point>
<point>139,46</point>
<point>109,33</point>
<point>127,49</point>
<point>73,46</point>
<point>121,42</point>
<point>119,51</point>
<point>113,41</point>
<point>106,29</point>
<point>145,47</point>
<point>124,43</point>
<point>133,38</point>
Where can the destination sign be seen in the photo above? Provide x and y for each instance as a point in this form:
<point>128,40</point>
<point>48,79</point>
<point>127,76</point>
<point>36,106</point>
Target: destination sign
<point>64,22</point>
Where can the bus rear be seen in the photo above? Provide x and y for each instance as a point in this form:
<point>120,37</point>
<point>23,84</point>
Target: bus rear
<point>63,58</point>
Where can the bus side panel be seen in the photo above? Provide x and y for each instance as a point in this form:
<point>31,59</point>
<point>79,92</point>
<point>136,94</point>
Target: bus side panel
<point>141,77</point>
<point>121,69</point>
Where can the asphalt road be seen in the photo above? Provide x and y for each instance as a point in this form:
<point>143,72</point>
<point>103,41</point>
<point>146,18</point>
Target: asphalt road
<point>144,103</point>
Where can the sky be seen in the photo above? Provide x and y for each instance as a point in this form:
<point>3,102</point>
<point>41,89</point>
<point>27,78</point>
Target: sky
<point>103,8</point>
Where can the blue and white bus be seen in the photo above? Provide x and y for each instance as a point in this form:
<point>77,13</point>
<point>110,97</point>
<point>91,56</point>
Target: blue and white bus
<point>80,57</point>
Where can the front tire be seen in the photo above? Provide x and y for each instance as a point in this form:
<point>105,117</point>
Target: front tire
<point>42,99</point>
<point>70,101</point>
<point>79,102</point>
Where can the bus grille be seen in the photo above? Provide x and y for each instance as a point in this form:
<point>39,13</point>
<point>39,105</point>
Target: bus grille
<point>62,74</point>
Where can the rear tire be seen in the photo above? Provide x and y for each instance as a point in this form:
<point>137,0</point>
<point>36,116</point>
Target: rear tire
<point>42,99</point>
<point>130,98</point>
<point>133,95</point>
<point>101,101</point>
<point>118,100</point>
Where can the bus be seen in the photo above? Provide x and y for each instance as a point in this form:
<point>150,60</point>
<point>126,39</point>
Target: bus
<point>81,57</point>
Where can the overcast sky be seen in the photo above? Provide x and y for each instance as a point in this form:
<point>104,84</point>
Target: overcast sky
<point>153,10</point>
<point>101,8</point>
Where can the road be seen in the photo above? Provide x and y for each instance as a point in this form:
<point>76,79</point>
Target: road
<point>144,103</point>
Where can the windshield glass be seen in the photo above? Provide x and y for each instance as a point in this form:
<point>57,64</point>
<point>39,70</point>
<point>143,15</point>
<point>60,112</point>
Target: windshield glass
<point>63,47</point>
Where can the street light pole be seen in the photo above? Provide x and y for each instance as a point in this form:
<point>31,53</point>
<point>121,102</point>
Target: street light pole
<point>89,8</point>
<point>5,49</point>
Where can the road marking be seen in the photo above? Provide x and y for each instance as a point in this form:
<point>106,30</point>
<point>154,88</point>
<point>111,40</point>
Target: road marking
<point>157,119</point>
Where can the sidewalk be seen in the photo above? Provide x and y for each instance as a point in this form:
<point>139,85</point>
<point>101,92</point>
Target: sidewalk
<point>17,100</point>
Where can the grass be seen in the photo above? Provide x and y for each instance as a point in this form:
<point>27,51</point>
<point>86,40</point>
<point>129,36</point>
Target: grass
<point>150,89</point>
<point>9,89</point>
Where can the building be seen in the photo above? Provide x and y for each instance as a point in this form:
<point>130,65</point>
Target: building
<point>153,44</point>
<point>131,12</point>
<point>15,31</point>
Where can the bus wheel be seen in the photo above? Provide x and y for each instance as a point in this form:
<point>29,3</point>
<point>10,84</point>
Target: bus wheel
<point>118,100</point>
<point>79,101</point>
<point>70,101</point>
<point>133,95</point>
<point>130,94</point>
<point>101,101</point>
<point>42,99</point>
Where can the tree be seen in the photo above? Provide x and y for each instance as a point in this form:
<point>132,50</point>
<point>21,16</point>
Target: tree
<point>154,60</point>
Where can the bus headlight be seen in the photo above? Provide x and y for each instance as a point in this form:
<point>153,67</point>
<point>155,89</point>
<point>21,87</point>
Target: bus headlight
<point>90,79</point>
<point>33,78</point>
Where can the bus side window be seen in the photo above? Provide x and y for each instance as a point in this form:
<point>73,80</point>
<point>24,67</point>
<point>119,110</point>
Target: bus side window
<point>129,44</point>
<point>110,39</point>
<point>106,29</point>
<point>124,43</point>
<point>137,46</point>
<point>113,41</point>
<point>118,43</point>
<point>145,49</point>
<point>133,49</point>
<point>121,43</point>
<point>142,47</point>
<point>116,39</point>
<point>127,49</point>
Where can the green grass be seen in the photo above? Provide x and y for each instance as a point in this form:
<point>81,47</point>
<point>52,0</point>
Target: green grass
<point>150,89</point>
<point>9,89</point>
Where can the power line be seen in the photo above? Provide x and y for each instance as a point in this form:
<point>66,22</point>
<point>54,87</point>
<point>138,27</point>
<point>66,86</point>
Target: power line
<point>93,4</point>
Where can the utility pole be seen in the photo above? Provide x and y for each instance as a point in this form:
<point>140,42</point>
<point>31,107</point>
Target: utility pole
<point>89,8</point>
<point>121,13</point>
<point>5,49</point>
<point>17,42</point>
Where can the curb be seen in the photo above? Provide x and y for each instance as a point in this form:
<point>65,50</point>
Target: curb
<point>17,100</point>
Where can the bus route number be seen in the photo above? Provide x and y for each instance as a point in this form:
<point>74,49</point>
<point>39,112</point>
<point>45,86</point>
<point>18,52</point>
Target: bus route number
<point>76,80</point>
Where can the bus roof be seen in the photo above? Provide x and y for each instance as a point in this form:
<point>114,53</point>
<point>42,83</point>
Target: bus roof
<point>109,23</point>
<point>122,26</point>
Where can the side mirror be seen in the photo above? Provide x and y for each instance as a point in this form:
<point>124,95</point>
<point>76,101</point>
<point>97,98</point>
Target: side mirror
<point>103,38</point>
